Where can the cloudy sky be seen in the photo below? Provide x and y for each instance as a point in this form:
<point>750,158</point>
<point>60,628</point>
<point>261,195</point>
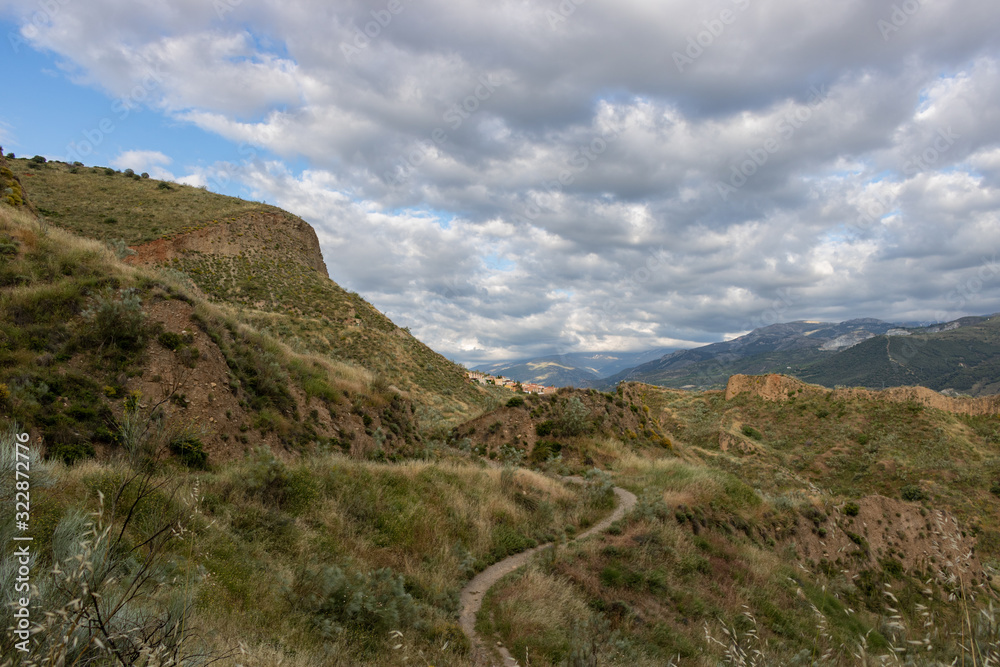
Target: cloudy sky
<point>520,177</point>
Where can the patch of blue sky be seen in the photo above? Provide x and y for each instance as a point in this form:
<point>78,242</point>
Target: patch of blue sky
<point>441,217</point>
<point>54,117</point>
<point>495,262</point>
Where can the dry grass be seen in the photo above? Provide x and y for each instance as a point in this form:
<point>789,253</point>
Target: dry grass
<point>104,207</point>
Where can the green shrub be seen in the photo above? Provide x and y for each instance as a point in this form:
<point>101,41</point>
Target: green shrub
<point>912,493</point>
<point>545,428</point>
<point>573,419</point>
<point>108,171</point>
<point>163,185</point>
<point>376,602</point>
<point>544,450</point>
<point>189,449</point>
<point>515,402</point>
<point>70,452</point>
<point>170,340</point>
<point>852,509</point>
<point>751,432</point>
<point>38,159</point>
<point>119,322</point>
<point>995,488</point>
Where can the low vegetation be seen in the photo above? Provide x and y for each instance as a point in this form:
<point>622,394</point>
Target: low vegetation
<point>249,466</point>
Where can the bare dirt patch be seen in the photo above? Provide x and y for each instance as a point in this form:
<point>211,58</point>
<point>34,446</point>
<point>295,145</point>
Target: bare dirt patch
<point>921,540</point>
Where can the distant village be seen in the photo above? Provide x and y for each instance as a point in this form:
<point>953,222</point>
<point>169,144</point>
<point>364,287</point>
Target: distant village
<point>501,381</point>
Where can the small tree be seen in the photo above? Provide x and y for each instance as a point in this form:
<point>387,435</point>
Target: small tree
<point>574,417</point>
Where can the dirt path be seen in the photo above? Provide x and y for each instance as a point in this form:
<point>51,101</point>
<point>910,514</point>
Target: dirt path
<point>472,594</point>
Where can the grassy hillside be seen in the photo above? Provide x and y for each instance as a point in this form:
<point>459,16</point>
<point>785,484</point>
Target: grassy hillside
<point>239,500</point>
<point>256,257</point>
<point>103,203</point>
<point>823,528</point>
<point>230,467</point>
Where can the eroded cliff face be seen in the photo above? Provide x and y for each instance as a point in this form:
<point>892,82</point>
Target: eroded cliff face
<point>279,236</point>
<point>780,387</point>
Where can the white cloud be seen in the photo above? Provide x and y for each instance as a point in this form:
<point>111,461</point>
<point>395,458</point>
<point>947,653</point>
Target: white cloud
<point>472,164</point>
<point>152,162</point>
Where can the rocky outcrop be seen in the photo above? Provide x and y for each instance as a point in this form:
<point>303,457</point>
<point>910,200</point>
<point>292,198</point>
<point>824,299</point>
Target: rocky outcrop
<point>984,405</point>
<point>769,387</point>
<point>283,237</point>
<point>780,387</point>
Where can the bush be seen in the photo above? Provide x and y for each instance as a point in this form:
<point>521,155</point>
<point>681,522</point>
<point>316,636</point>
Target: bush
<point>129,173</point>
<point>912,493</point>
<point>852,509</point>
<point>515,402</point>
<point>190,451</point>
<point>118,322</point>
<point>144,175</point>
<point>544,450</point>
<point>751,432</point>
<point>70,452</point>
<point>995,488</point>
<point>170,340</point>
<point>376,602</point>
<point>163,185</point>
<point>38,159</point>
<point>108,171</point>
<point>573,420</point>
<point>545,428</point>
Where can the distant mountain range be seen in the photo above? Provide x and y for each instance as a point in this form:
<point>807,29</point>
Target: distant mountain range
<point>963,355</point>
<point>575,369</point>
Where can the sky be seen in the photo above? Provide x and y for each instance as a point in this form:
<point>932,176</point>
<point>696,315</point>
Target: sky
<point>515,178</point>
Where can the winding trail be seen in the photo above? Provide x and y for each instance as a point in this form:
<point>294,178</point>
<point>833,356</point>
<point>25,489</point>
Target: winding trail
<point>472,594</point>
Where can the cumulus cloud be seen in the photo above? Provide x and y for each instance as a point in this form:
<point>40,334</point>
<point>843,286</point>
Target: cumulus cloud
<point>152,162</point>
<point>511,179</point>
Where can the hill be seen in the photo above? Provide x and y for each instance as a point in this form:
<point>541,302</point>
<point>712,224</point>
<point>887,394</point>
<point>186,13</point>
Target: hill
<point>258,258</point>
<point>223,470</point>
<point>799,517</point>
